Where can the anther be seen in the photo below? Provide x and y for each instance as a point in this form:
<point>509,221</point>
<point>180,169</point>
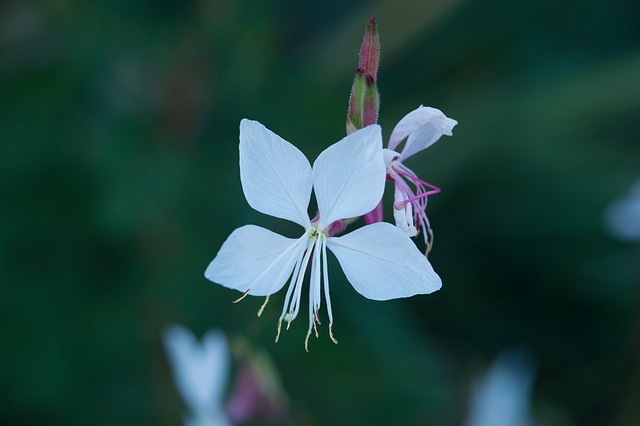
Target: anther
<point>315,329</point>
<point>333,339</point>
<point>306,341</point>
<point>243,296</point>
<point>279,327</point>
<point>430,243</point>
<point>266,300</point>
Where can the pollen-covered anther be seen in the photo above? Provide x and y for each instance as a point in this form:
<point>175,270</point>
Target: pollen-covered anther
<point>315,329</point>
<point>266,300</point>
<point>333,339</point>
<point>430,243</point>
<point>243,296</point>
<point>306,341</point>
<point>279,328</point>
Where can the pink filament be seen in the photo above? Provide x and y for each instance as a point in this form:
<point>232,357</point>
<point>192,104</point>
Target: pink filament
<point>418,199</point>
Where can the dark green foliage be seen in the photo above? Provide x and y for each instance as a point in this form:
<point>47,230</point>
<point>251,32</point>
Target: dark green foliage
<point>119,181</point>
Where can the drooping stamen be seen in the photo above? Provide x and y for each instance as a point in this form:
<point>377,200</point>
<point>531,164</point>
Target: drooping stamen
<point>266,300</point>
<point>314,289</point>
<point>430,243</point>
<point>421,191</point>
<point>296,282</point>
<point>404,171</point>
<point>279,327</point>
<point>294,278</point>
<point>295,300</point>
<point>306,341</point>
<point>242,297</point>
<point>333,339</point>
<point>326,288</point>
<point>418,199</point>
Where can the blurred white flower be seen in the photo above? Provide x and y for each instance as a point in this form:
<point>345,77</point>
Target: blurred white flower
<point>503,395</point>
<point>623,215</point>
<point>200,371</point>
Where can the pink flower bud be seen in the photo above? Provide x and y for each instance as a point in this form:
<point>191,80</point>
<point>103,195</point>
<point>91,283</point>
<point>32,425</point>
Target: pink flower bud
<point>370,50</point>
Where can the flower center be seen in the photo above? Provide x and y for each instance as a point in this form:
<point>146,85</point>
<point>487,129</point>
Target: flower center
<point>315,256</point>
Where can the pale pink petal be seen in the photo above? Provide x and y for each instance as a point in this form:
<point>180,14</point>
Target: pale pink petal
<point>422,127</point>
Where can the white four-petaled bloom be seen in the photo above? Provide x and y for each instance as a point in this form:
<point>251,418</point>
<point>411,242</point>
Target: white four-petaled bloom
<point>200,371</point>
<point>421,128</point>
<point>379,260</point>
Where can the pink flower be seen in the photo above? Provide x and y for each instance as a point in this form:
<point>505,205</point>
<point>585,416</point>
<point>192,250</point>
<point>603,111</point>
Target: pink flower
<point>421,128</point>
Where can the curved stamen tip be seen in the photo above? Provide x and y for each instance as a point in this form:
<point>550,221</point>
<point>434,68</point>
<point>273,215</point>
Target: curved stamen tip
<point>266,300</point>
<point>306,341</point>
<point>279,328</point>
<point>333,339</point>
<point>430,243</point>
<point>243,296</point>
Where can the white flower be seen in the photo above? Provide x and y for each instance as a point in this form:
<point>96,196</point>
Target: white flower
<point>200,371</point>
<point>421,128</point>
<point>623,215</point>
<point>348,180</point>
<point>502,397</point>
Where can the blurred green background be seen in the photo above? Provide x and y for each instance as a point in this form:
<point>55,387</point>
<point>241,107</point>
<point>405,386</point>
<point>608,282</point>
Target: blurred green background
<point>119,181</point>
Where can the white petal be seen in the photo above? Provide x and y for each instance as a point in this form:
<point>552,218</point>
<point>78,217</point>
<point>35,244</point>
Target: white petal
<point>623,215</point>
<point>200,371</point>
<point>404,216</point>
<point>275,175</point>
<point>218,418</point>
<point>254,258</point>
<point>349,176</point>
<point>382,263</point>
<point>389,155</point>
<point>423,127</point>
<point>503,396</point>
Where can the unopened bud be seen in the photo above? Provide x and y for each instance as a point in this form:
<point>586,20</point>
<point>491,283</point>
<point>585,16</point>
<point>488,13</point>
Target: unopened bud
<point>370,50</point>
<point>364,102</point>
<point>370,102</point>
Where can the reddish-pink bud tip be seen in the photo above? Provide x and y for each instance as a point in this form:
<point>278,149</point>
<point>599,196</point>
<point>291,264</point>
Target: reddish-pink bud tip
<point>370,50</point>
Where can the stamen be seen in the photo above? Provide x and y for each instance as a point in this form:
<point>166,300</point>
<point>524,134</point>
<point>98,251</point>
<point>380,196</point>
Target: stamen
<point>325,279</point>
<point>315,329</point>
<point>279,327</point>
<point>266,300</point>
<point>288,325</point>
<point>430,243</point>
<point>401,204</point>
<point>333,339</point>
<point>242,297</point>
<point>415,179</point>
<point>295,302</point>
<point>306,341</point>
